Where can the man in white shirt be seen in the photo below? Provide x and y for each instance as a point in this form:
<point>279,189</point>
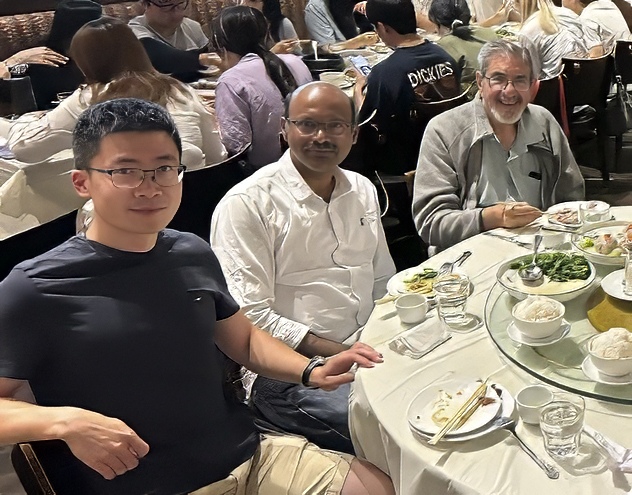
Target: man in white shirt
<point>304,253</point>
<point>174,43</point>
<point>602,16</point>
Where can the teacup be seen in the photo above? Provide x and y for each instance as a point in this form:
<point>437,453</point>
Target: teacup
<point>411,308</point>
<point>531,400</point>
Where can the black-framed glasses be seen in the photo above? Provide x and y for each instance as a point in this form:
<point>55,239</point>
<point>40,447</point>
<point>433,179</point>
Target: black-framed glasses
<point>500,82</point>
<point>180,6</point>
<point>130,178</point>
<point>309,127</point>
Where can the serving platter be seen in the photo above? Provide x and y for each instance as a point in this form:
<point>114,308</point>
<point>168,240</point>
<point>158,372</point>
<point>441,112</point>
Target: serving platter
<point>592,232</point>
<point>561,291</point>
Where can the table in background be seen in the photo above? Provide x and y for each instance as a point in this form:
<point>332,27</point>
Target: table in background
<point>493,464</point>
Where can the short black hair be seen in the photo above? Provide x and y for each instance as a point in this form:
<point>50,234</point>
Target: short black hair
<point>290,97</point>
<point>118,115</point>
<point>398,14</point>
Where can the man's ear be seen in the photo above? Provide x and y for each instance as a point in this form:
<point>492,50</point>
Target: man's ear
<point>356,131</point>
<point>80,180</point>
<point>479,79</point>
<point>534,90</point>
<point>284,124</point>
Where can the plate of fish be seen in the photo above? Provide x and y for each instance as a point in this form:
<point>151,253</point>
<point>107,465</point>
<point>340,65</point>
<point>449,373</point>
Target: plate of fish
<point>565,214</point>
<point>605,243</point>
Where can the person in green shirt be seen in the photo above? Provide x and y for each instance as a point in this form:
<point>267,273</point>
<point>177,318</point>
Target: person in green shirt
<point>461,40</point>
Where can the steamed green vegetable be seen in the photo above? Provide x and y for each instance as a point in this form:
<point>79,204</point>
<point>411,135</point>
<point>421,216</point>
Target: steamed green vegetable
<point>558,267</point>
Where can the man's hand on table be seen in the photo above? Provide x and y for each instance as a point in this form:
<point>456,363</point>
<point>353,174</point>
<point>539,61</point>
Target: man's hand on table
<point>285,46</point>
<point>509,215</point>
<point>107,445</point>
<point>337,370</point>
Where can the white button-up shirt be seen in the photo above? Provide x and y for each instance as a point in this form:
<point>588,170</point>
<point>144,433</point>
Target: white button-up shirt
<point>296,263</point>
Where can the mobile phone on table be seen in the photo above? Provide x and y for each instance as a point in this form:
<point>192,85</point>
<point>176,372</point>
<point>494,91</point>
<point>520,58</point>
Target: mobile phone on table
<point>361,64</point>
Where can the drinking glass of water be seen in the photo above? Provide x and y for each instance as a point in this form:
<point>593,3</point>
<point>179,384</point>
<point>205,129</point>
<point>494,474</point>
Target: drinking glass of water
<point>451,292</point>
<point>561,422</point>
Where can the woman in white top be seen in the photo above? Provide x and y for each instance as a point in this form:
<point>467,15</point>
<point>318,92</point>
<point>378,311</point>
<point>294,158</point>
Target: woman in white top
<point>603,16</point>
<point>116,65</point>
<point>554,35</point>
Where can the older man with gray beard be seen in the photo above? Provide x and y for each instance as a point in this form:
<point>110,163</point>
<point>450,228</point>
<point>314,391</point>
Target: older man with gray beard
<point>496,161</point>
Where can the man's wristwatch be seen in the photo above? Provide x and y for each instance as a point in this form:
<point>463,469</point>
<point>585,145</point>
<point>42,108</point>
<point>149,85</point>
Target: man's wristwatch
<point>315,362</point>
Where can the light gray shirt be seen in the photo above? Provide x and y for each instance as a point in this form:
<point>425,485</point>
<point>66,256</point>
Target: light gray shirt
<point>321,24</point>
<point>188,36</point>
<point>510,175</point>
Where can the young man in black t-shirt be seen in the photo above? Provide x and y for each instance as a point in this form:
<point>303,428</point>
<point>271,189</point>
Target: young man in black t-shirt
<point>119,336</point>
<point>416,69</point>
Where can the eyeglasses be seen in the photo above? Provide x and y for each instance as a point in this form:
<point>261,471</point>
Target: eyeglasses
<point>170,7</point>
<point>309,127</point>
<point>501,82</point>
<point>130,178</point>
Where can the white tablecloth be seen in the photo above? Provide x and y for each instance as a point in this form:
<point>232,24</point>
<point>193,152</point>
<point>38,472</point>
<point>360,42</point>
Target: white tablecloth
<point>493,464</point>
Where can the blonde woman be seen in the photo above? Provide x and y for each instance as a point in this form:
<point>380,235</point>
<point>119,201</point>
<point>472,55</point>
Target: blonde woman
<point>555,33</point>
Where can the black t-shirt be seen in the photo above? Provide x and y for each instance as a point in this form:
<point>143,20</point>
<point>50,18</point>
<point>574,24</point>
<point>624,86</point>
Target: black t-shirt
<point>131,336</point>
<point>391,88</point>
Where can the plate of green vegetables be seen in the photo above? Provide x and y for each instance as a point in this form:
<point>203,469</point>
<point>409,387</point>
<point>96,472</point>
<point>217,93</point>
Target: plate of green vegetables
<point>566,275</point>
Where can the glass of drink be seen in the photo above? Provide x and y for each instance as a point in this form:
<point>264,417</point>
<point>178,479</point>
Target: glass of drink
<point>451,292</point>
<point>627,272</point>
<point>561,423</point>
<point>594,211</point>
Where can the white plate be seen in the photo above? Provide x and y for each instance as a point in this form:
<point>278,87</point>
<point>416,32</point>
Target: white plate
<point>612,285</point>
<point>594,232</point>
<point>421,408</point>
<point>560,291</point>
<point>594,374</point>
<point>573,205</point>
<point>507,406</point>
<point>517,336</point>
<point>396,285</point>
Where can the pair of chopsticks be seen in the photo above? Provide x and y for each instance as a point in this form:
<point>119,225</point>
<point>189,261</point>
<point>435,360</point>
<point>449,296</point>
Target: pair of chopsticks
<point>463,414</point>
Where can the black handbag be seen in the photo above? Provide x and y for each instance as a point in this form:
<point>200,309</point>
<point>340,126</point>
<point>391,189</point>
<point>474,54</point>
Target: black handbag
<point>619,110</point>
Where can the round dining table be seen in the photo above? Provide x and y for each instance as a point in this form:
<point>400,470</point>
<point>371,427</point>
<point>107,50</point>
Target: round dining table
<point>493,463</point>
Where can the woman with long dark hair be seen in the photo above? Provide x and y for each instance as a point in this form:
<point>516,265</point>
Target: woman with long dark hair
<point>461,40</point>
<point>249,95</point>
<point>115,65</point>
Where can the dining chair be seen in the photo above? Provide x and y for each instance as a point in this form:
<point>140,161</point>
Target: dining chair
<point>623,69</point>
<point>549,96</point>
<point>203,189</point>
<point>587,83</point>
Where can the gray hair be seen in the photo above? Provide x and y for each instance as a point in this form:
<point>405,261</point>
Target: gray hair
<point>118,115</point>
<point>505,48</point>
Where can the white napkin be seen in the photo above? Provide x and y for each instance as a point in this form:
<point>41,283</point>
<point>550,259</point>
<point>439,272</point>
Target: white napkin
<point>620,457</point>
<point>420,339</point>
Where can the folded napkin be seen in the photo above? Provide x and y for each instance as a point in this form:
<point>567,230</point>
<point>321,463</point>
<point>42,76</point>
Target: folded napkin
<point>620,457</point>
<point>420,339</point>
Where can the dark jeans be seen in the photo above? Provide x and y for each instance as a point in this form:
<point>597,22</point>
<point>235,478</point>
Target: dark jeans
<point>319,416</point>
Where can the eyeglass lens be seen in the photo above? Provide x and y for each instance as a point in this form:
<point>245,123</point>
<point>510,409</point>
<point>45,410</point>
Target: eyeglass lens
<point>134,177</point>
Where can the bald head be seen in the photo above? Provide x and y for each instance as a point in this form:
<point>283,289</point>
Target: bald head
<point>315,92</point>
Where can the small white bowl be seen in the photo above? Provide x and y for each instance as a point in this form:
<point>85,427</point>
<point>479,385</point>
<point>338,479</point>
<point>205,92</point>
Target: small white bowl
<point>539,329</point>
<point>531,400</point>
<point>610,366</point>
<point>411,308</point>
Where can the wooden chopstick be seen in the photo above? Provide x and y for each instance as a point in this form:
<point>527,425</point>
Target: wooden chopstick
<point>472,403</point>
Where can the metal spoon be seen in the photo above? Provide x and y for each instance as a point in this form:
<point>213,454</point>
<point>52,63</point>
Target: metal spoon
<point>533,272</point>
<point>510,425</point>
